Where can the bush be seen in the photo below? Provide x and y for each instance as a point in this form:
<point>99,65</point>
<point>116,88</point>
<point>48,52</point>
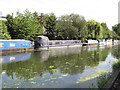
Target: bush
<point>116,65</point>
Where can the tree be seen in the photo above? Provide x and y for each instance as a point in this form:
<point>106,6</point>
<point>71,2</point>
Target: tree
<point>5,34</point>
<point>106,33</point>
<point>10,24</point>
<point>50,25</point>
<point>24,26</point>
<point>98,30</point>
<point>72,25</point>
<point>116,30</point>
<point>66,31</point>
<point>80,23</point>
<point>94,29</point>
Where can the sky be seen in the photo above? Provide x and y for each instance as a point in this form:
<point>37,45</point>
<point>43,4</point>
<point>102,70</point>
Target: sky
<point>99,10</point>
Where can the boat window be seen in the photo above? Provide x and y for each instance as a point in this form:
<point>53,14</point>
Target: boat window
<point>1,44</point>
<point>50,43</point>
<point>21,44</point>
<point>12,44</point>
<point>86,41</point>
<point>57,42</point>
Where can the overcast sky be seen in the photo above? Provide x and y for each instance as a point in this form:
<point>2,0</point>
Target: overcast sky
<point>99,10</point>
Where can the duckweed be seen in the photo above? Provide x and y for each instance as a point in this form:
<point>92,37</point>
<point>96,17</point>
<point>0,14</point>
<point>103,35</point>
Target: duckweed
<point>65,75</point>
<point>33,82</point>
<point>31,79</point>
<point>51,66</point>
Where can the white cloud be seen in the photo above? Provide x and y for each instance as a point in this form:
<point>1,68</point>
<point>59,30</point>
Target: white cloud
<point>99,10</point>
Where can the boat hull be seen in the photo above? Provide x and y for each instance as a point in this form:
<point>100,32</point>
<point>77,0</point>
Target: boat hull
<point>56,47</point>
<point>15,46</point>
<point>85,44</point>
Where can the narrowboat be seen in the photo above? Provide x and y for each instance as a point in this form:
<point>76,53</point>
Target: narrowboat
<point>15,45</point>
<point>109,42</point>
<point>43,42</point>
<point>90,42</point>
<point>116,42</point>
<point>102,42</point>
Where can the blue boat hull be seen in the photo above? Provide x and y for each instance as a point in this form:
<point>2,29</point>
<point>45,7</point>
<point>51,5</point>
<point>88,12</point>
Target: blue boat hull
<point>14,45</point>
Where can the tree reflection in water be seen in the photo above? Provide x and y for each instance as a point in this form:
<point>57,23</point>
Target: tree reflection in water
<point>67,60</point>
<point>116,51</point>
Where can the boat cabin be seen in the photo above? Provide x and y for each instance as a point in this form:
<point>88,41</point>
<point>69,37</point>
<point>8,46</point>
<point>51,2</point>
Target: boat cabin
<point>41,41</point>
<point>10,44</point>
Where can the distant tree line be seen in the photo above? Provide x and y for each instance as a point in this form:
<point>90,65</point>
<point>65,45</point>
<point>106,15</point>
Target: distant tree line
<point>28,25</point>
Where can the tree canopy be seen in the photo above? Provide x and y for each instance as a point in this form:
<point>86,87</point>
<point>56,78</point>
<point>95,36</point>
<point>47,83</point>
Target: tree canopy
<point>116,31</point>
<point>28,25</point>
<point>4,34</point>
<point>24,26</point>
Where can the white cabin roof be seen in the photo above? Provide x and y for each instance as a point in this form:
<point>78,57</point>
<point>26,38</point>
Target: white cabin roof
<point>41,36</point>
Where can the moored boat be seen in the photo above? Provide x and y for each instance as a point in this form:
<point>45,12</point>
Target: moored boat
<point>102,42</point>
<point>90,42</point>
<point>109,42</point>
<point>43,42</point>
<point>14,45</point>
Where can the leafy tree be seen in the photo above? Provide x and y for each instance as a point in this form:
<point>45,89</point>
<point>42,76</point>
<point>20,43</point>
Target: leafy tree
<point>29,25</point>
<point>106,33</point>
<point>10,24</point>
<point>66,31</point>
<point>116,30</point>
<point>115,36</point>
<point>50,25</point>
<point>24,26</point>
<point>71,26</point>
<point>80,23</point>
<point>93,28</point>
<point>98,30</point>
<point>5,34</point>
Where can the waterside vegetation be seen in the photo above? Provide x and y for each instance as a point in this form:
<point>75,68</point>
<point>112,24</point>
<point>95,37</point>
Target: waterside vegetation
<point>28,25</point>
<point>103,79</point>
<point>116,65</point>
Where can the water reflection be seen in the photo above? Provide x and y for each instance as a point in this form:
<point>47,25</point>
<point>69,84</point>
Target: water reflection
<point>14,58</point>
<point>91,47</point>
<point>44,55</point>
<point>116,51</point>
<point>67,67</point>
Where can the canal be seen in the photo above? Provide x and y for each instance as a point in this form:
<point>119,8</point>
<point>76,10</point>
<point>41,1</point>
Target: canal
<point>74,67</point>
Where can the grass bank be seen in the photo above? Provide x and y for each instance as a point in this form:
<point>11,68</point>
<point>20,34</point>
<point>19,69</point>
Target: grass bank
<point>103,79</point>
<point>116,65</point>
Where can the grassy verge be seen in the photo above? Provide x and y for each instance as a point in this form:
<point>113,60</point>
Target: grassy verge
<point>103,79</point>
<point>116,65</point>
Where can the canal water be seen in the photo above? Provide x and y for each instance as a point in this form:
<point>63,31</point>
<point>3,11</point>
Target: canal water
<point>74,67</point>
